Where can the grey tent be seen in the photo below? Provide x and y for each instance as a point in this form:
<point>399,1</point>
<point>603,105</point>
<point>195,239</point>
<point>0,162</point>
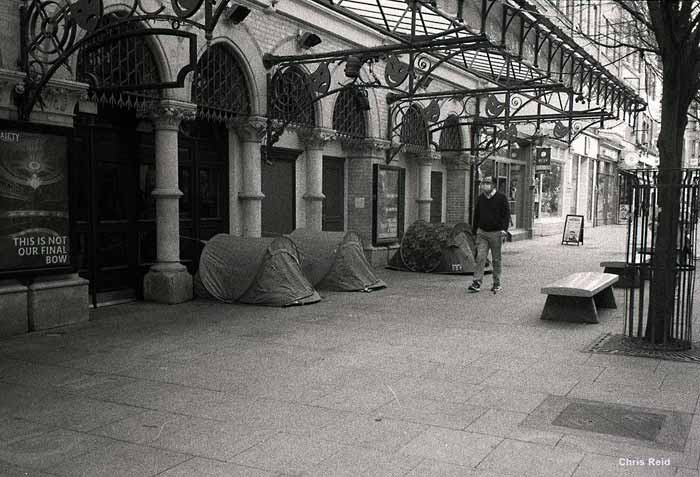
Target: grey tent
<point>261,271</point>
<point>335,261</point>
<point>436,248</point>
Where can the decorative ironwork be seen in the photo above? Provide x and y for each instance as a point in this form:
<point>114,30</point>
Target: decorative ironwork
<point>451,136</point>
<point>349,113</point>
<point>220,88</point>
<point>291,98</point>
<point>121,63</point>
<point>414,130</point>
<point>51,31</point>
<point>645,184</point>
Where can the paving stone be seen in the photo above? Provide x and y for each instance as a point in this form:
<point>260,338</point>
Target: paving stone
<point>507,399</point>
<point>353,399</point>
<point>120,459</point>
<point>9,470</point>
<point>527,459</point>
<point>637,396</point>
<point>387,435</point>
<point>38,375</point>
<point>594,465</point>
<point>431,467</point>
<point>454,447</point>
<point>46,451</point>
<point>198,466</point>
<point>500,423</point>
<point>354,461</point>
<point>288,453</point>
<point>15,428</point>
<point>525,380</point>
<point>434,413</point>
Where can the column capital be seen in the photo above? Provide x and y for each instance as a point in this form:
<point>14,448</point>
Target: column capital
<point>249,128</point>
<point>316,138</point>
<point>426,157</point>
<point>459,162</point>
<point>367,147</point>
<point>169,113</point>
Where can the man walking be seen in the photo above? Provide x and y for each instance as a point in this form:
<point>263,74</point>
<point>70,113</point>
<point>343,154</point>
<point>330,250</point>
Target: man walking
<point>491,219</point>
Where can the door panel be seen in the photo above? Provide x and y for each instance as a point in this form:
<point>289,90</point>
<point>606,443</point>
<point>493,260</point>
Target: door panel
<point>278,186</point>
<point>334,190</point>
<point>436,195</point>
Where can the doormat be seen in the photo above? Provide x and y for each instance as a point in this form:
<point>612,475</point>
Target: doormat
<point>609,343</point>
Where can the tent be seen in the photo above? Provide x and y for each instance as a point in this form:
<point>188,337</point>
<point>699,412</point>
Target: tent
<point>437,248</point>
<point>335,261</point>
<point>260,271</point>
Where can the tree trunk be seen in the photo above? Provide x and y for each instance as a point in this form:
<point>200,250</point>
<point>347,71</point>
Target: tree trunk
<point>677,95</point>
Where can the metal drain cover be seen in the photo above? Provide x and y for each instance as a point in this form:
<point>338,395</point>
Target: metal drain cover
<point>609,419</point>
<point>609,343</point>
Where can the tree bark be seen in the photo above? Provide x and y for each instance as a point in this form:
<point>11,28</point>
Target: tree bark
<point>678,92</point>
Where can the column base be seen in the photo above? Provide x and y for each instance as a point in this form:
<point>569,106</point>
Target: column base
<point>13,303</point>
<point>168,286</point>
<point>57,301</point>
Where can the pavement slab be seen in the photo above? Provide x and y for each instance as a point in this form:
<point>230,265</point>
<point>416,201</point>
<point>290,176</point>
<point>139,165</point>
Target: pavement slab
<point>420,379</point>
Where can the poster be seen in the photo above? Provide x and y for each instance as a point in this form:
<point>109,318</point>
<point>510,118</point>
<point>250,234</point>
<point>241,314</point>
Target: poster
<point>388,193</point>
<point>573,230</point>
<point>34,225</point>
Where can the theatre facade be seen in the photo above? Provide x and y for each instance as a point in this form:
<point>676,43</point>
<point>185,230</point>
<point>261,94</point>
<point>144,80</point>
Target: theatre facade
<point>127,141</point>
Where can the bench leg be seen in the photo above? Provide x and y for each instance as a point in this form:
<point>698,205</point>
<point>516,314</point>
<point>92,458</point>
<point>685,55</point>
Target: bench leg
<point>605,299</point>
<point>570,308</point>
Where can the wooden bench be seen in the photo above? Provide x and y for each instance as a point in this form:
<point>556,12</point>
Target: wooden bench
<point>577,297</point>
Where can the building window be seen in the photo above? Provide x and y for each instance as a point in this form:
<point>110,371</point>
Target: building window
<point>414,130</point>
<point>548,199</point>
<point>451,136</point>
<point>291,99</point>
<point>122,63</point>
<point>349,113</point>
<point>220,88</point>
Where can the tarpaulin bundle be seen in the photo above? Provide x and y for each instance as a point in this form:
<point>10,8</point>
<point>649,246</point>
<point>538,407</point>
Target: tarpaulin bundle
<point>335,261</point>
<point>436,248</point>
<point>261,271</point>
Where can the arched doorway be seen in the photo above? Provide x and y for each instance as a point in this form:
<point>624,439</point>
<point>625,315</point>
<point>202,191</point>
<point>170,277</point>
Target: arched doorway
<point>112,173</point>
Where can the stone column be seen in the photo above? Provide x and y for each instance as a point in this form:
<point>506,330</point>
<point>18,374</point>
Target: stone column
<point>425,166</point>
<point>458,189</point>
<point>315,140</point>
<point>361,156</point>
<point>168,280</point>
<point>251,130</point>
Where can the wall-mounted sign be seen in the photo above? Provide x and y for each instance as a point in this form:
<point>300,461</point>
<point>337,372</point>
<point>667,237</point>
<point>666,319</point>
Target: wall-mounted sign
<point>543,159</point>
<point>388,204</point>
<point>573,230</point>
<point>34,226</point>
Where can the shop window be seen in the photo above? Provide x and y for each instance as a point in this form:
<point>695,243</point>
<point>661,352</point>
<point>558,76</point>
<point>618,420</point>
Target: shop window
<point>548,198</point>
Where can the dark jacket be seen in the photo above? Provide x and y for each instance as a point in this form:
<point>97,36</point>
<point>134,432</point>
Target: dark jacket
<point>491,214</point>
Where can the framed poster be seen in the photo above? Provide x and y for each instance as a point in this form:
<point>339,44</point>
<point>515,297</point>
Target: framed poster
<point>388,204</point>
<point>573,230</point>
<point>34,222</point>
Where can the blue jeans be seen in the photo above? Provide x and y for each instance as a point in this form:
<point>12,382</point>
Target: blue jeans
<point>486,241</point>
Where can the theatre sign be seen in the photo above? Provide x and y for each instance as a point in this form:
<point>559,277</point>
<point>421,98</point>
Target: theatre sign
<point>34,226</point>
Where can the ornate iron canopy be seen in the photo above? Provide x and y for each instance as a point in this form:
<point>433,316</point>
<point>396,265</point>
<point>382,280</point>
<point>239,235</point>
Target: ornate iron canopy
<point>51,31</point>
<point>534,77</point>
